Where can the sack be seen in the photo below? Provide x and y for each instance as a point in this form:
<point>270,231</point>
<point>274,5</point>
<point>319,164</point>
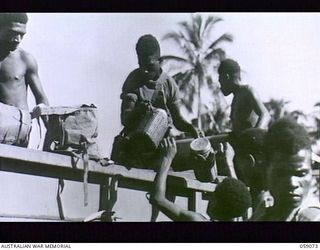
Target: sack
<point>72,131</point>
<point>70,128</point>
<point>15,125</point>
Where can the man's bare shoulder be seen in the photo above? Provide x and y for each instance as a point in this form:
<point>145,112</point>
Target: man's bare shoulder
<point>27,58</point>
<point>247,91</point>
<point>246,88</point>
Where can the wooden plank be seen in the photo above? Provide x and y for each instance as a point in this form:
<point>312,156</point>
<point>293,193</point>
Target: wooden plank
<point>30,161</point>
<point>193,201</point>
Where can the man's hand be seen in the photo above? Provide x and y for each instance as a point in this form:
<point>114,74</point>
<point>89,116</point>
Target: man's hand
<point>36,112</point>
<point>143,107</point>
<point>168,148</point>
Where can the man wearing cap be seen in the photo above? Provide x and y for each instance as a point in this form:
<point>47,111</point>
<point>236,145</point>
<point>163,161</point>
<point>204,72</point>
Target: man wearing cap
<point>148,86</point>
<point>18,71</point>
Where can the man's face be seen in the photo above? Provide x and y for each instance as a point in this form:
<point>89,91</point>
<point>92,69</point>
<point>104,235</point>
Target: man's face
<point>11,35</point>
<point>290,178</point>
<point>225,83</point>
<point>150,65</point>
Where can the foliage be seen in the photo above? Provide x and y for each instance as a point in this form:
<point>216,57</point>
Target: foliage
<point>276,108</point>
<point>196,64</point>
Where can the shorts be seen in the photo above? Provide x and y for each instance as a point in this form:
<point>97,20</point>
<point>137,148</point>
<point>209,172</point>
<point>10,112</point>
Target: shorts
<point>15,126</point>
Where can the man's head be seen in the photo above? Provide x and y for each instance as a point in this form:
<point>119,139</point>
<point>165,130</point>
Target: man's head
<point>229,74</point>
<point>289,173</point>
<point>230,199</point>
<point>148,51</point>
<point>12,30</point>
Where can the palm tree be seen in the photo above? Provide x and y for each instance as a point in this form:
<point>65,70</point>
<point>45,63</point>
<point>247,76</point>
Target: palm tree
<point>199,52</point>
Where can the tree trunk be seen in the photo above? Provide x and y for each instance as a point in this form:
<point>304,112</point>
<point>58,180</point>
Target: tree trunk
<point>199,104</point>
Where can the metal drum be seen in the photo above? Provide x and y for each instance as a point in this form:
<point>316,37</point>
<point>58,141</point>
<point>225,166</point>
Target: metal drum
<point>151,130</point>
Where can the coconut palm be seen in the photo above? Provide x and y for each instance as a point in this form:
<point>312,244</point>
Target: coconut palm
<point>199,52</point>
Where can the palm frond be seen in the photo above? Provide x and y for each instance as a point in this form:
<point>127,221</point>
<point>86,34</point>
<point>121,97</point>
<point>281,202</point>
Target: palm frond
<point>209,24</point>
<point>176,59</point>
<point>197,24</point>
<point>173,36</point>
<point>317,104</point>
<point>298,113</point>
<point>183,79</point>
<point>218,54</point>
<point>223,38</point>
<point>191,33</point>
<point>182,42</point>
<point>192,39</point>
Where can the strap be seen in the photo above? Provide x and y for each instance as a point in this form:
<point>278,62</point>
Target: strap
<point>20,125</point>
<point>85,158</point>
<point>62,132</point>
<point>160,91</point>
<point>40,132</point>
<point>59,200</point>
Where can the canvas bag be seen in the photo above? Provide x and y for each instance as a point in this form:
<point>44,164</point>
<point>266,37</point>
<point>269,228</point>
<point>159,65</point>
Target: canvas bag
<point>72,131</point>
<point>69,128</point>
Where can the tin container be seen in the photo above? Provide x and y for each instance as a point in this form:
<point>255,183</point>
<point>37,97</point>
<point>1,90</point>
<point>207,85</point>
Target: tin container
<point>151,130</point>
<point>197,155</point>
<point>201,146</point>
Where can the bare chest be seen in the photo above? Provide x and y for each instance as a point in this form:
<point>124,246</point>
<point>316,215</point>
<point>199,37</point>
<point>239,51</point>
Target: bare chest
<point>241,106</point>
<point>12,69</point>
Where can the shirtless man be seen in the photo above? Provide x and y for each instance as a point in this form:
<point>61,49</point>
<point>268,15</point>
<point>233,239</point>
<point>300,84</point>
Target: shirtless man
<point>247,110</point>
<point>289,175</point>
<point>18,71</point>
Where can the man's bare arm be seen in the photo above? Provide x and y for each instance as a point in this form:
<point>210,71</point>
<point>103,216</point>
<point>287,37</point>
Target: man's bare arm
<point>260,110</point>
<point>158,197</point>
<point>180,123</point>
<point>33,80</point>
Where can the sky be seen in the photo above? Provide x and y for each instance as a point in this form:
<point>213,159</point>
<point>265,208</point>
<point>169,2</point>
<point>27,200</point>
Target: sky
<point>85,58</point>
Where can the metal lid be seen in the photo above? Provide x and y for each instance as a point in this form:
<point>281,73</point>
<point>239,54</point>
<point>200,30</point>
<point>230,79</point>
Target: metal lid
<point>200,146</point>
